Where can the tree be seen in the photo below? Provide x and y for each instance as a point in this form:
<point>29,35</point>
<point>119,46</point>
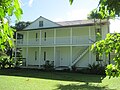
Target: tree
<point>21,25</point>
<point>107,9</point>
<point>8,8</point>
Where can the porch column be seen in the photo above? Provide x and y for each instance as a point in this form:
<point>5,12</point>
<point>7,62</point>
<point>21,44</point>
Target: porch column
<point>39,55</point>
<point>16,49</point>
<point>40,40</point>
<point>89,62</point>
<point>54,56</point>
<point>71,36</point>
<point>27,56</point>
<point>27,38</point>
<point>54,36</point>
<point>89,35</point>
<point>71,56</point>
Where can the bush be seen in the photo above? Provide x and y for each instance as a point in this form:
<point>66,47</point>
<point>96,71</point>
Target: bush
<point>48,66</point>
<point>6,62</point>
<point>96,69</point>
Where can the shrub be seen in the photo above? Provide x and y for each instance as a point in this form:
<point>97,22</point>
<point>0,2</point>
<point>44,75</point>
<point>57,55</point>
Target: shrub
<point>48,66</point>
<point>96,69</point>
<point>6,62</point>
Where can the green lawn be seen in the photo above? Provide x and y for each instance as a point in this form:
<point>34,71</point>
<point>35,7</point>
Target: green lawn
<point>26,79</point>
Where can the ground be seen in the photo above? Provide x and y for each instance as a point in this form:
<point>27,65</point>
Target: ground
<point>27,79</point>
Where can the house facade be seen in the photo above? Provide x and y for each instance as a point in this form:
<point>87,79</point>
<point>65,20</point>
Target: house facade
<point>65,43</point>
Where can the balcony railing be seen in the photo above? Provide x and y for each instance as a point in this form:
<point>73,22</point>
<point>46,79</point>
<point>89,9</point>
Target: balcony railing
<point>58,41</point>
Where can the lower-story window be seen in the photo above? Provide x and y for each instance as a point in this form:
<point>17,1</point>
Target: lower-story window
<point>35,55</point>
<point>44,56</point>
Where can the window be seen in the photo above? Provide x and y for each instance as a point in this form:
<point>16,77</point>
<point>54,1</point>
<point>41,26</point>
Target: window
<point>40,23</point>
<point>35,55</point>
<point>44,56</point>
<point>36,36</point>
<point>45,36</point>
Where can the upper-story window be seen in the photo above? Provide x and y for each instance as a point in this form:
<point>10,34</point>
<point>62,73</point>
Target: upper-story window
<point>40,23</point>
<point>45,36</point>
<point>36,36</point>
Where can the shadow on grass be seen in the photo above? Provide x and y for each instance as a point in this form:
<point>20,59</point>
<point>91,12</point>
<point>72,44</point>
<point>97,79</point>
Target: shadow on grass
<point>63,76</point>
<point>85,86</point>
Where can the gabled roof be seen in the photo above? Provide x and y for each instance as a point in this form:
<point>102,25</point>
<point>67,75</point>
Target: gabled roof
<point>79,22</point>
<point>50,24</point>
<point>35,23</point>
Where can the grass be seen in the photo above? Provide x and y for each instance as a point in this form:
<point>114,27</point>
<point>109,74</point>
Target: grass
<point>26,79</point>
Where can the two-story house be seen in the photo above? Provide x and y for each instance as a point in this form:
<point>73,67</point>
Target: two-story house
<point>64,43</point>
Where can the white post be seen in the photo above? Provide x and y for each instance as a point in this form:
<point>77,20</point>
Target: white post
<point>54,36</point>
<point>26,56</point>
<point>16,49</point>
<point>71,56</point>
<point>40,41</point>
<point>39,56</point>
<point>27,37</point>
<point>89,35</point>
<point>71,36</point>
<point>89,56</point>
<point>54,56</point>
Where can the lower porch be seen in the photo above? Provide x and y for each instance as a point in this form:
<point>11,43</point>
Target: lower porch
<point>63,56</point>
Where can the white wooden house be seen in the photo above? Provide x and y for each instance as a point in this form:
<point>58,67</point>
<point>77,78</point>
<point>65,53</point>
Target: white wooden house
<point>64,43</point>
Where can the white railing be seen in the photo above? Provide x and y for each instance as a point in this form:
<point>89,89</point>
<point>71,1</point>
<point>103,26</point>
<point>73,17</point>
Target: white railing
<point>80,40</point>
<point>21,42</point>
<point>62,40</point>
<point>59,40</point>
<point>47,41</point>
<point>34,41</point>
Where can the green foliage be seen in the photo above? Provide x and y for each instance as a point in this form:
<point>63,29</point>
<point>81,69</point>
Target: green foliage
<point>94,14</point>
<point>21,25</point>
<point>6,62</point>
<point>106,9</point>
<point>71,1</point>
<point>110,44</point>
<point>109,8</point>
<point>48,66</point>
<point>96,69</point>
<point>7,9</point>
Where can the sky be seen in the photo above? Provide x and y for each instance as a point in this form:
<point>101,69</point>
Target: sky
<point>60,10</point>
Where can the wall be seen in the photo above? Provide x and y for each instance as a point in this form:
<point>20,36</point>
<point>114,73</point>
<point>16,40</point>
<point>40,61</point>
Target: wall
<point>49,54</point>
<point>31,56</point>
<point>64,56</point>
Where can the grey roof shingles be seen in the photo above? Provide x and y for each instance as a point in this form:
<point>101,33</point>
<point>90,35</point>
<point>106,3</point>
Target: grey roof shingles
<point>79,22</point>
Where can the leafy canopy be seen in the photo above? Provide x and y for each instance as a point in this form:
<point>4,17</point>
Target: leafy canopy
<point>7,9</point>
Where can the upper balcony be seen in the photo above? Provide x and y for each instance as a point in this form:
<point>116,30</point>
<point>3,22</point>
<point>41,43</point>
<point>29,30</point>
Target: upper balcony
<point>59,36</point>
<point>75,40</point>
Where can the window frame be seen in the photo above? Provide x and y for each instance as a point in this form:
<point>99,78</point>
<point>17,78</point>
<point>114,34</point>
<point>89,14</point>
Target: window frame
<point>40,23</point>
